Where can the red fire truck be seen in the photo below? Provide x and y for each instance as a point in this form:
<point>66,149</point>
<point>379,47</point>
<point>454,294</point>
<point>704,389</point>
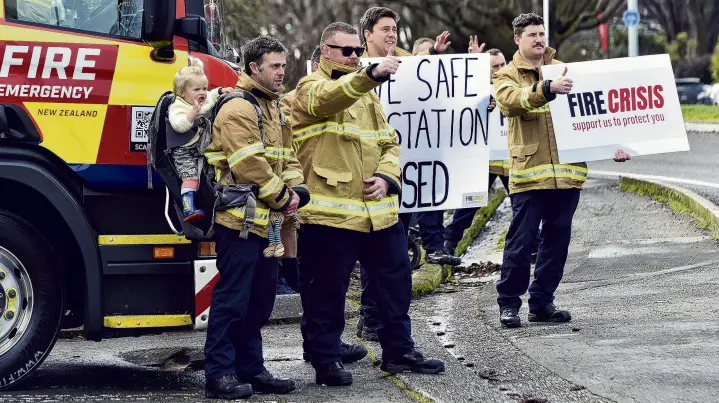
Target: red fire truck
<point>86,239</point>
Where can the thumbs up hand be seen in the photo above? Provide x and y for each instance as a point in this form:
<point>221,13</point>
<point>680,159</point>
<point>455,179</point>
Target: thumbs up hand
<point>563,84</point>
<point>389,65</point>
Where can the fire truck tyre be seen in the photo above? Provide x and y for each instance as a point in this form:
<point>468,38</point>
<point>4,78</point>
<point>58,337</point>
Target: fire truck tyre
<point>31,302</point>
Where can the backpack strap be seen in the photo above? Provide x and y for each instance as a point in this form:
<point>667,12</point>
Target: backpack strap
<point>249,98</point>
<point>251,206</point>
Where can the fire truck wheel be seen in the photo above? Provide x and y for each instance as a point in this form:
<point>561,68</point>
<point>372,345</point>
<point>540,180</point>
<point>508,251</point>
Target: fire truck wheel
<point>31,300</point>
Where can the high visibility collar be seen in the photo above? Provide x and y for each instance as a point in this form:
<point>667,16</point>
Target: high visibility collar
<point>334,70</point>
<point>521,63</point>
<point>397,52</point>
<point>247,83</point>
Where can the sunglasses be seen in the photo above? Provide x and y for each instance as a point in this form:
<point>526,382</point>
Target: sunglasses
<point>348,50</point>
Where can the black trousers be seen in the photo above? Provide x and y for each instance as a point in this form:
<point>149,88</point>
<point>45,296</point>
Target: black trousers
<point>555,208</point>
<point>242,302</point>
<point>327,257</point>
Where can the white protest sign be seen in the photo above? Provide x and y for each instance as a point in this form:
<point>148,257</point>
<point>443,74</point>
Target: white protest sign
<point>438,105</point>
<point>629,104</point>
<point>497,139</point>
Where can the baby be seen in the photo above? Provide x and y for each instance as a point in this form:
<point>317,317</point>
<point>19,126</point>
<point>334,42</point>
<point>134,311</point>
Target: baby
<point>191,101</point>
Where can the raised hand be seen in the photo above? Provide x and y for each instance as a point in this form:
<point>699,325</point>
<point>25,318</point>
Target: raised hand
<point>563,84</point>
<point>389,65</point>
<point>474,46</point>
<point>442,43</point>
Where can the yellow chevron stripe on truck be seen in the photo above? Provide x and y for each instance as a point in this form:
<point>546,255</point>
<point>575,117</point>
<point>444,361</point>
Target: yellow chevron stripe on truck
<point>73,129</point>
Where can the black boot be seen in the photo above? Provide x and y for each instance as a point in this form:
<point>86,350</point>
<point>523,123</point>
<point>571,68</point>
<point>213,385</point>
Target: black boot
<point>509,317</point>
<point>369,334</point>
<point>413,362</point>
<point>549,313</point>
<point>350,353</point>
<point>227,387</point>
<point>266,383</point>
<point>366,333</point>
<point>441,257</point>
<point>450,248</point>
<point>333,374</point>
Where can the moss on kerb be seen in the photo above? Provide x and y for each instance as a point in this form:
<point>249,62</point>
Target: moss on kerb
<point>675,200</point>
<point>426,279</point>
<point>394,379</point>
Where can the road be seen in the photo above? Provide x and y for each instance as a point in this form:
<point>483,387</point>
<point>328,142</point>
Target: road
<point>640,283</point>
<point>696,169</point>
<point>116,370</point>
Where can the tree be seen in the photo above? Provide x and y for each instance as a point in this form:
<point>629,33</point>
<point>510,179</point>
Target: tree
<point>695,17</point>
<point>299,23</point>
<point>567,17</point>
<point>715,63</point>
<point>491,19</point>
<point>586,45</point>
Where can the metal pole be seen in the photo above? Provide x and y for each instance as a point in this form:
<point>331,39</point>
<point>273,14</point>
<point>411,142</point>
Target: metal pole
<point>545,11</point>
<point>632,31</point>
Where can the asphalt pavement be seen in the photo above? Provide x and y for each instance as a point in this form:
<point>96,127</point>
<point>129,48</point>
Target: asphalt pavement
<point>696,169</point>
<point>127,370</point>
<point>641,284</point>
<point>640,281</point>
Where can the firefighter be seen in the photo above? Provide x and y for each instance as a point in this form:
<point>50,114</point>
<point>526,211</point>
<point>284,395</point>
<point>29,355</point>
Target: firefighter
<point>462,218</point>
<point>379,30</point>
<point>349,352</point>
<point>244,297</point>
<point>422,46</point>
<point>350,158</point>
<point>542,189</point>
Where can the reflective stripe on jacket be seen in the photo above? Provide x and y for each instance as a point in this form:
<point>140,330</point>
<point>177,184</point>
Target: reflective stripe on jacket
<point>499,167</point>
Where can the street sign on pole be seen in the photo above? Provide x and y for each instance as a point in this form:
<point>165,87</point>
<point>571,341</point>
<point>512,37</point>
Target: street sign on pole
<point>545,12</point>
<point>631,20</point>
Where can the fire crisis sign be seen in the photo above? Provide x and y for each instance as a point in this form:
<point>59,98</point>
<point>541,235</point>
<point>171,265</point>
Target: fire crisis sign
<point>56,72</point>
<point>628,104</point>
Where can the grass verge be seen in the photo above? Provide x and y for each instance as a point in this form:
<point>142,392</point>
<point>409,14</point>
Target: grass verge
<point>701,113</point>
<point>676,200</point>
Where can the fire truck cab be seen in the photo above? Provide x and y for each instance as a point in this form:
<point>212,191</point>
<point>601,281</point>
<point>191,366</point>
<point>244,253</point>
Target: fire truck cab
<point>85,237</point>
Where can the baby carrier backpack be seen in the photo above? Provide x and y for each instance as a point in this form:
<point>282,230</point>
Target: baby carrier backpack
<point>212,195</point>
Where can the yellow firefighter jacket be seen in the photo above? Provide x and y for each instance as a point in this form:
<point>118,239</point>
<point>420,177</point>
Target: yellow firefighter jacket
<point>523,97</point>
<point>286,104</point>
<point>342,138</point>
<point>499,167</point>
<point>237,144</point>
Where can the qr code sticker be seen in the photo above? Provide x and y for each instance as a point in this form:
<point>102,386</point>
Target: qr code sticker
<point>141,116</point>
